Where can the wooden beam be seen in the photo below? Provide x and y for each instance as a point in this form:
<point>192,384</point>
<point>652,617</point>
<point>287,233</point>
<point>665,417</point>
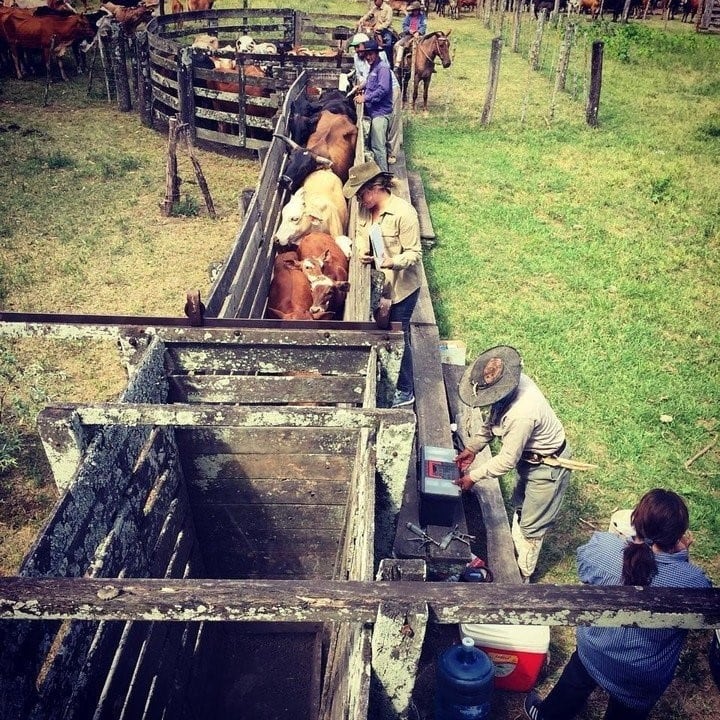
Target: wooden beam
<point>25,598</point>
<point>210,415</point>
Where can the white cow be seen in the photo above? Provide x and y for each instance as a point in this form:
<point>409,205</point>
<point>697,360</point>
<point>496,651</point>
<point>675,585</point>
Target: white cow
<point>318,206</point>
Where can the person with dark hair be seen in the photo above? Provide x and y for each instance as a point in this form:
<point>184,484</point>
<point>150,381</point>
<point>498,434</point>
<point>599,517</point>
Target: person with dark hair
<point>633,665</point>
<point>388,235</point>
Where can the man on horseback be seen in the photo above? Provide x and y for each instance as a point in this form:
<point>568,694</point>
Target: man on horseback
<point>414,26</point>
<point>378,21</point>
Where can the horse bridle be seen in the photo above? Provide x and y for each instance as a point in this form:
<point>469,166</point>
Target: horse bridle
<point>436,45</point>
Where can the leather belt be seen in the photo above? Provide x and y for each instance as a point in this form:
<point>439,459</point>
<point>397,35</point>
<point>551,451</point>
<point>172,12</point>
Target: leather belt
<point>536,458</point>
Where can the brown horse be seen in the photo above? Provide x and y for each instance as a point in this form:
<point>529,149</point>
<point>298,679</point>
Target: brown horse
<point>428,48</point>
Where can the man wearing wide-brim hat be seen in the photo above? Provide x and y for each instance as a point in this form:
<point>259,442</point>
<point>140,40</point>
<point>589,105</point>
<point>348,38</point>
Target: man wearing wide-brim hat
<point>390,225</point>
<point>414,26</point>
<point>533,444</point>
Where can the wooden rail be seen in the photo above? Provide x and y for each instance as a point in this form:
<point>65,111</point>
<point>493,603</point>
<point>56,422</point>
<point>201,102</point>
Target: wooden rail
<point>24,598</point>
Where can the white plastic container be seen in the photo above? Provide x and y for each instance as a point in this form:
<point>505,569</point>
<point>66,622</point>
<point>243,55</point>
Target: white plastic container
<point>518,652</point>
<point>620,524</point>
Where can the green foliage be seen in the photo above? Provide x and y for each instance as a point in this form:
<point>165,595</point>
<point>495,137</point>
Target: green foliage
<point>110,167</point>
<point>59,160</point>
<point>186,207</point>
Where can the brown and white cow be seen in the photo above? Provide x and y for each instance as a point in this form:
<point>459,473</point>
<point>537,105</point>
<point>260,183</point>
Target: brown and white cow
<point>290,296</point>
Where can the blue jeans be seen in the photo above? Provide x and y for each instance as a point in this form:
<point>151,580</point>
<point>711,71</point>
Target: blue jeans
<point>378,140</point>
<point>402,312</point>
<point>571,692</point>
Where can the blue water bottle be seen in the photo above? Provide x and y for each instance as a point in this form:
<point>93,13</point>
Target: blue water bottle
<point>464,678</point>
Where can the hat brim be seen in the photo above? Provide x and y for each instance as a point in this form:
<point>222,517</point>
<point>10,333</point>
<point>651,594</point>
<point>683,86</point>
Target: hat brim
<point>350,189</point>
<point>475,396</point>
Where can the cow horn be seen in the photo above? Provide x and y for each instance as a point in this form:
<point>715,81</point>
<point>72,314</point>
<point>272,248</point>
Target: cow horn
<point>320,160</point>
<point>290,143</point>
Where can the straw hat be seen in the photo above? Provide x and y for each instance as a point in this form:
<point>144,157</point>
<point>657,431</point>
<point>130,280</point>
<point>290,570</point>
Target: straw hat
<point>493,376</point>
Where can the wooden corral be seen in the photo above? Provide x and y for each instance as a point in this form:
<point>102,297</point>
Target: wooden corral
<point>235,108</point>
<point>709,17</point>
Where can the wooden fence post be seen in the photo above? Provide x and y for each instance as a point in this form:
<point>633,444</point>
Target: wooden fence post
<point>494,73</point>
<point>199,175</point>
<point>515,47</point>
<point>537,42</point>
<point>122,85</point>
<point>144,84</point>
<point>593,105</point>
<point>172,184</point>
<point>186,97</point>
<point>564,59</point>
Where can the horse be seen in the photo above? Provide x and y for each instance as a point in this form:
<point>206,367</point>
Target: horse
<point>436,44</point>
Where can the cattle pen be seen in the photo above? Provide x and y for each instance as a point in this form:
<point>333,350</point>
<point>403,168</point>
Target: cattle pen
<point>230,536</point>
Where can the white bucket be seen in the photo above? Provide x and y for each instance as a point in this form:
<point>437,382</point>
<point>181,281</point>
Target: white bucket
<point>518,652</point>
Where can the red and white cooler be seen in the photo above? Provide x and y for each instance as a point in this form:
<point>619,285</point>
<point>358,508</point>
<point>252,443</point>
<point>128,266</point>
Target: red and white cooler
<point>518,652</point>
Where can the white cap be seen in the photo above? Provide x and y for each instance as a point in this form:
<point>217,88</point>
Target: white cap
<point>359,38</point>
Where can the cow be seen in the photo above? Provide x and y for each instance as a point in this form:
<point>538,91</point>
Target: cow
<point>197,5</point>
<point>320,251</point>
<point>290,296</point>
<point>332,145</point>
<point>318,205</point>
<point>305,113</point>
<point>467,4</point>
<point>129,18</point>
<point>58,31</point>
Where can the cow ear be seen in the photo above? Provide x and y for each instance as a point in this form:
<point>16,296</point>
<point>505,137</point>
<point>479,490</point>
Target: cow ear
<point>344,286</point>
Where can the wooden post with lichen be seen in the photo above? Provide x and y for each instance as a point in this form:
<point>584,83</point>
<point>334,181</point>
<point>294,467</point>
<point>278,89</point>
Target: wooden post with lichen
<point>202,183</point>
<point>515,47</point>
<point>172,182</point>
<point>537,42</point>
<point>494,73</point>
<point>122,85</point>
<point>593,104</point>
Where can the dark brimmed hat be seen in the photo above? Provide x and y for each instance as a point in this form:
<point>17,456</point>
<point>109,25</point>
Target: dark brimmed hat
<point>414,6</point>
<point>360,175</point>
<point>371,45</point>
<point>493,376</point>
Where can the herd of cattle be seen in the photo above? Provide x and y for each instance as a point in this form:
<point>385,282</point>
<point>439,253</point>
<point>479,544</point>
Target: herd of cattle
<point>310,273</point>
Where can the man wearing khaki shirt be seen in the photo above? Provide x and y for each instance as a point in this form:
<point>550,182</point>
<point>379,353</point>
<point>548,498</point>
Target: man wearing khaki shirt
<point>533,444</point>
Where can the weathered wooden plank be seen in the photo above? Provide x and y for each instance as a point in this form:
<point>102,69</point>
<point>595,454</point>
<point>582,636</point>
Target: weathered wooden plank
<point>189,415</point>
<point>264,359</point>
<point>159,556</point>
<point>266,390</point>
<point>397,642</point>
<point>203,440</point>
<point>417,195</point>
<point>263,491</point>
<point>500,553</point>
<point>207,468</point>
<point>430,400</point>
<point>85,513</point>
<point>24,598</point>
<point>177,702</point>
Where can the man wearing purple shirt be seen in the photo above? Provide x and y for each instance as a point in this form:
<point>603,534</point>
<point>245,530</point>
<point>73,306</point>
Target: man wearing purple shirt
<point>378,100</point>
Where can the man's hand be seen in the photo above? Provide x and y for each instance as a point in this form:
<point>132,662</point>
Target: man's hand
<point>464,483</point>
<point>359,98</point>
<point>464,460</point>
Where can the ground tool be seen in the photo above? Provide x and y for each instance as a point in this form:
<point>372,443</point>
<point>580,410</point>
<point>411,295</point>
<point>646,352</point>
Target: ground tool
<point>454,534</point>
<point>422,537</point>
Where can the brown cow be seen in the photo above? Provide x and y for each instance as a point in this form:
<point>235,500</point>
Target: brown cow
<point>290,296</point>
<point>40,33</point>
<point>130,18</point>
<point>321,248</point>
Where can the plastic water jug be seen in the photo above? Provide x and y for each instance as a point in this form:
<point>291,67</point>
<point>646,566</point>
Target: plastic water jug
<point>464,678</point>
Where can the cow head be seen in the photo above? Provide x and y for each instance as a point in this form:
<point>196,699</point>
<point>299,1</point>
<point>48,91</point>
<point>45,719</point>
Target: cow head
<point>245,44</point>
<point>328,297</point>
<point>301,215</point>
<point>300,164</point>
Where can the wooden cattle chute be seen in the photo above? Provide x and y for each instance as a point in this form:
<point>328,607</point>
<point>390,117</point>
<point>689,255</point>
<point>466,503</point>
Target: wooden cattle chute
<point>207,468</point>
<point>171,84</point>
<point>709,17</point>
